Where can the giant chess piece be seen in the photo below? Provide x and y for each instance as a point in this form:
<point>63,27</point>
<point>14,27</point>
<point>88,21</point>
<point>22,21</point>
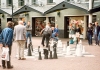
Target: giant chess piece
<point>55,53</point>
<point>83,49</point>
<point>51,43</point>
<point>29,50</point>
<point>26,45</point>
<point>49,48</point>
<point>79,50</point>
<point>40,57</point>
<point>68,52</point>
<point>50,55</point>
<point>64,48</point>
<point>59,43</point>
<point>67,43</point>
<point>45,54</point>
<point>31,46</point>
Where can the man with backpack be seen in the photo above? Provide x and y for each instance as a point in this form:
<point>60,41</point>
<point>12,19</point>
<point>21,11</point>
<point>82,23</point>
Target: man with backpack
<point>47,31</point>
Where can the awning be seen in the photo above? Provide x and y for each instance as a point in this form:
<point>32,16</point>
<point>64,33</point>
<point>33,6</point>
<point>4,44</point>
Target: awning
<point>95,9</point>
<point>65,5</point>
<point>3,12</point>
<point>24,9</point>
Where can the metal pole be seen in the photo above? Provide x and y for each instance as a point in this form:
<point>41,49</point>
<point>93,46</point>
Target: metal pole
<point>12,10</point>
<point>90,7</point>
<point>92,3</point>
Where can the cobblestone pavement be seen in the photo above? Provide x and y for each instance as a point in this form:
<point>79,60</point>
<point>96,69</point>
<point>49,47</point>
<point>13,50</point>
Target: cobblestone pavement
<point>62,63</point>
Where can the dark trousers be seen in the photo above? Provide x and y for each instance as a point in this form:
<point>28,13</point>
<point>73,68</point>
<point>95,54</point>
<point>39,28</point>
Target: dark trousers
<point>96,39</point>
<point>47,38</point>
<point>89,37</point>
<point>8,62</point>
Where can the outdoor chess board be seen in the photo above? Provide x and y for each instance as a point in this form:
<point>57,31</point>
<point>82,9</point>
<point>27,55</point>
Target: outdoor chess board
<point>61,52</point>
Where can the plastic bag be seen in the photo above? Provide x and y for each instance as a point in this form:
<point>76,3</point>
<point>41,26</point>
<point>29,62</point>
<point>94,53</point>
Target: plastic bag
<point>5,54</point>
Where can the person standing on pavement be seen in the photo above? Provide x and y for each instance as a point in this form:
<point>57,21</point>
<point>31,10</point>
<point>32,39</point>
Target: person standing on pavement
<point>6,37</point>
<point>20,37</point>
<point>77,32</point>
<point>96,32</point>
<point>23,19</point>
<point>47,31</point>
<point>29,31</point>
<point>90,34</point>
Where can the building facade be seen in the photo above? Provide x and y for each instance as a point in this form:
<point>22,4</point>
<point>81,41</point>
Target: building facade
<point>61,17</point>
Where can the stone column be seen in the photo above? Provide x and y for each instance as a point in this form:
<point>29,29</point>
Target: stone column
<point>90,7</point>
<point>85,27</point>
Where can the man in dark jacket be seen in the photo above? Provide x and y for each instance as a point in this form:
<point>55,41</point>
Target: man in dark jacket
<point>96,32</point>
<point>6,37</point>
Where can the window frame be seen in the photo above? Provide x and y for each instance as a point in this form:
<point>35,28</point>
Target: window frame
<point>21,3</point>
<point>9,3</point>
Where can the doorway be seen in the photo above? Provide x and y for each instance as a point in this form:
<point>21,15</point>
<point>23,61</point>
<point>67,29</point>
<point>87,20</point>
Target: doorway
<point>66,27</point>
<point>9,19</point>
<point>33,26</point>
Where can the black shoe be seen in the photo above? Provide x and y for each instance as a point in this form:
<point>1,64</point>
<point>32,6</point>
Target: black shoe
<point>4,67</point>
<point>10,67</point>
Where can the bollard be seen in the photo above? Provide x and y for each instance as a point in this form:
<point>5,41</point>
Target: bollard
<point>26,45</point>
<point>50,55</point>
<point>40,57</point>
<point>29,51</point>
<point>55,53</point>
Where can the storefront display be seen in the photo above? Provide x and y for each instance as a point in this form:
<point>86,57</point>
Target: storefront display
<point>74,21</point>
<point>40,23</point>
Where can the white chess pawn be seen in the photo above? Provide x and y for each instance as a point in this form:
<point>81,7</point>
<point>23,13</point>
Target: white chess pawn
<point>51,43</point>
<point>64,47</point>
<point>68,52</point>
<point>79,50</point>
<point>59,44</point>
<point>83,49</point>
<point>80,42</point>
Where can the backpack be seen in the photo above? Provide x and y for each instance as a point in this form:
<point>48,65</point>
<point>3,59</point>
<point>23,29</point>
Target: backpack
<point>47,31</point>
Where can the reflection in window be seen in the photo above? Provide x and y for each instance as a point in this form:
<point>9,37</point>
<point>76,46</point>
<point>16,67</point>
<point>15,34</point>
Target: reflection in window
<point>49,1</point>
<point>9,2</point>
<point>21,2</point>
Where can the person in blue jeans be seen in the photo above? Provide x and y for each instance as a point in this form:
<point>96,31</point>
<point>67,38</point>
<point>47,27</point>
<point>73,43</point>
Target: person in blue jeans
<point>90,34</point>
<point>55,33</point>
<point>6,38</point>
<point>28,31</point>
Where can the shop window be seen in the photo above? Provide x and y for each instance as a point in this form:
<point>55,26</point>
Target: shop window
<point>49,1</point>
<point>52,21</point>
<point>9,2</point>
<point>21,3</point>
<point>33,2</point>
<point>74,21</point>
<point>39,25</point>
